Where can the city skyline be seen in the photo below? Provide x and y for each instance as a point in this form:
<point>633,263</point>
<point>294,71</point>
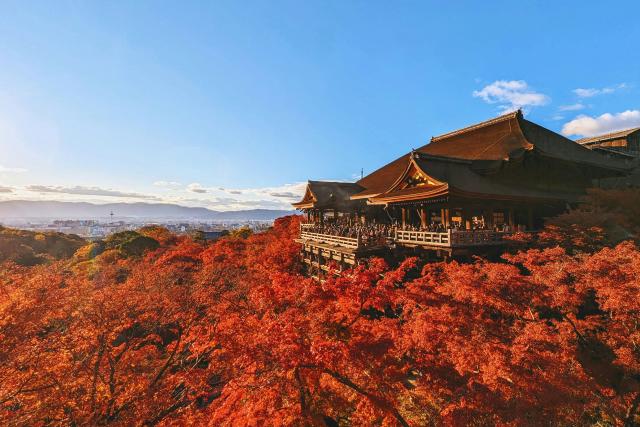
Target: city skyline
<point>231,107</point>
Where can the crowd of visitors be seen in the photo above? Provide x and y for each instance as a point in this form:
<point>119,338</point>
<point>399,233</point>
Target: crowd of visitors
<point>375,233</point>
<point>369,234</point>
<point>438,227</point>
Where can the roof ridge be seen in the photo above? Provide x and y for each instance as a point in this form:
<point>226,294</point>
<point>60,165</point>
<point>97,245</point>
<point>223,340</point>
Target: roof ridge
<point>424,156</point>
<point>331,182</point>
<point>499,119</point>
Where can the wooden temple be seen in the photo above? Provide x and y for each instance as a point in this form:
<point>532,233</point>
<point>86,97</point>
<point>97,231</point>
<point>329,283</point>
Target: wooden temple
<point>459,194</point>
<point>624,143</point>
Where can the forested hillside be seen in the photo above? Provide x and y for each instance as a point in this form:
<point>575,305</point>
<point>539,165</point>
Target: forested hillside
<point>30,248</point>
<point>150,328</point>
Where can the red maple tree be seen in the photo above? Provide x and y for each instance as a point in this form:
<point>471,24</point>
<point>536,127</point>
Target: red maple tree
<point>232,333</point>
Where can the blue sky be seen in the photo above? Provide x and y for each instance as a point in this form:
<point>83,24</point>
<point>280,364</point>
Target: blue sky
<point>232,105</point>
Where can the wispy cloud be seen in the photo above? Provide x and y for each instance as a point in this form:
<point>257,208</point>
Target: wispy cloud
<point>511,95</point>
<point>285,195</point>
<point>591,126</point>
<point>591,92</point>
<point>88,191</point>
<point>194,194</point>
<point>12,170</point>
<point>572,107</point>
<point>168,184</point>
<point>196,187</point>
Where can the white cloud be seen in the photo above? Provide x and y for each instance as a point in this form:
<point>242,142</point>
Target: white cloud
<point>590,126</point>
<point>511,95</point>
<point>168,184</point>
<point>12,170</point>
<point>87,191</point>
<point>572,107</point>
<point>591,92</point>
<point>221,198</point>
<point>196,187</point>
<point>195,195</point>
<point>284,195</point>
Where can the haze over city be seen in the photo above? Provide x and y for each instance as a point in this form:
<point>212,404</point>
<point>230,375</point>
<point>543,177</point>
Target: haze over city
<point>231,107</point>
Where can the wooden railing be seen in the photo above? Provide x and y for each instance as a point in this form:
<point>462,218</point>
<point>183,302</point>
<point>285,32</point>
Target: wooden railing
<point>447,239</point>
<point>451,238</point>
<point>347,242</point>
<point>307,225</point>
<point>428,238</point>
<point>477,237</point>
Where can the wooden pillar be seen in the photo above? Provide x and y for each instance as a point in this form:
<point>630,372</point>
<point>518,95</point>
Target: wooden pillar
<point>510,220</point>
<point>529,218</point>
<point>489,218</point>
<point>404,217</point>
<point>466,219</point>
<point>444,212</point>
<point>423,217</point>
<point>321,213</point>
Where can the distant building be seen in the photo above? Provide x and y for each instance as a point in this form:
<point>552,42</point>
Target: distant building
<point>624,143</point>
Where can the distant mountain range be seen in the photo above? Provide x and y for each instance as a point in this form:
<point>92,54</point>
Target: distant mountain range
<point>81,210</point>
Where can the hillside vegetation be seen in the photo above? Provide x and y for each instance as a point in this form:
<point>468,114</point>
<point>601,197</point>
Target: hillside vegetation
<point>31,248</point>
<point>129,332</point>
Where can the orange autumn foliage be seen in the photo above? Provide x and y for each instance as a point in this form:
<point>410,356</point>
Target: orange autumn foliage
<point>232,334</point>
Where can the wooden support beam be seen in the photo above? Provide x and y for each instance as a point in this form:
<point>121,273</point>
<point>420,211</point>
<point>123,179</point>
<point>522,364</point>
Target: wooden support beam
<point>466,219</point>
<point>423,217</point>
<point>404,217</point>
<point>445,217</point>
<point>489,219</point>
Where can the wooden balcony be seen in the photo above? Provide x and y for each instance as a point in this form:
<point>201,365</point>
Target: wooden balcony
<point>345,242</point>
<point>450,238</point>
<point>465,238</point>
<point>321,249</point>
<point>422,238</point>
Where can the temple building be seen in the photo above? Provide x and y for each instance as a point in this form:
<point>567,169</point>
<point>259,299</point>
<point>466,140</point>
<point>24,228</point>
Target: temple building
<point>460,194</point>
<point>624,143</point>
